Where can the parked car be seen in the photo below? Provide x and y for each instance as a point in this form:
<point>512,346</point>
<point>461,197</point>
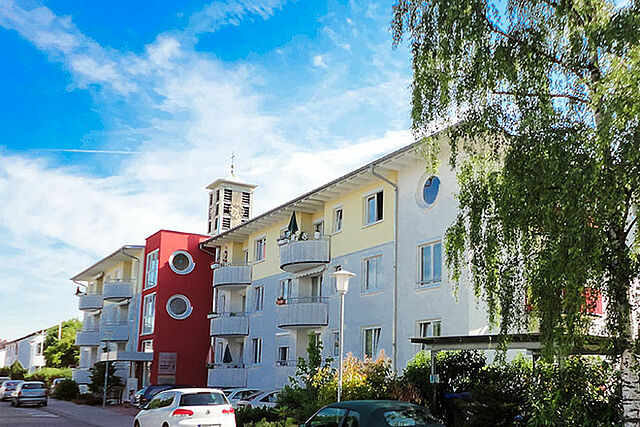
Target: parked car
<point>237,394</point>
<point>260,400</point>
<point>187,406</point>
<point>7,388</point>
<point>55,383</point>
<point>32,392</point>
<point>145,394</point>
<point>372,413</point>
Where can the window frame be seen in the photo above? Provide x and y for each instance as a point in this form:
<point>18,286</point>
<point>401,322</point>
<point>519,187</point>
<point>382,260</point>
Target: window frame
<point>335,342</point>
<point>256,351</point>
<point>189,268</point>
<point>280,361</point>
<point>285,288</point>
<point>337,224</point>
<point>256,246</point>
<point>420,282</point>
<point>431,323</point>
<point>187,312</point>
<point>375,341</point>
<point>377,196</point>
<point>366,288</point>
<point>145,314</point>
<point>149,273</point>
<point>258,298</point>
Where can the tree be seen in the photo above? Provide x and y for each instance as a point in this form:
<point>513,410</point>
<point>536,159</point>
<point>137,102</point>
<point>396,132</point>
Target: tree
<point>62,353</point>
<point>17,371</point>
<point>114,382</point>
<point>547,149</point>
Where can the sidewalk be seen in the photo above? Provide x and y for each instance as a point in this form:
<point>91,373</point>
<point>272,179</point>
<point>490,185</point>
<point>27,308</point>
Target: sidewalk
<point>90,415</point>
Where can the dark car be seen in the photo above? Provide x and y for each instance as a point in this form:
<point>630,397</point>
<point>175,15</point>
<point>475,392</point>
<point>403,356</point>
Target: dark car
<point>145,394</point>
<point>372,413</point>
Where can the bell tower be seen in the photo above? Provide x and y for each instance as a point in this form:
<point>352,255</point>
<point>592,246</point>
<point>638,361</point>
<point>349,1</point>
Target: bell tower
<point>230,202</point>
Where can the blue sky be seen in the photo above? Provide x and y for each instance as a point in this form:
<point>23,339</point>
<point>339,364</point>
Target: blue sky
<point>116,115</point>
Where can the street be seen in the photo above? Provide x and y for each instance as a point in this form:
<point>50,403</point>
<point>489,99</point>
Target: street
<point>59,413</point>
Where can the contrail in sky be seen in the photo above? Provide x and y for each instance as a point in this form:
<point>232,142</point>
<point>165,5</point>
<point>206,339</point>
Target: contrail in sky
<point>75,150</point>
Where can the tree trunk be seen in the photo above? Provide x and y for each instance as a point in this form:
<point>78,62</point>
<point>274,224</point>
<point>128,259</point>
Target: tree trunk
<point>629,364</point>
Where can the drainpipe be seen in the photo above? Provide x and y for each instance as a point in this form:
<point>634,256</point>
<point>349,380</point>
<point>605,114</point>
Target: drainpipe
<point>394,328</point>
<point>132,368</point>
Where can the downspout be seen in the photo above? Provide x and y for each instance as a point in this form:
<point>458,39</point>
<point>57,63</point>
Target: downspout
<point>132,365</point>
<point>394,328</point>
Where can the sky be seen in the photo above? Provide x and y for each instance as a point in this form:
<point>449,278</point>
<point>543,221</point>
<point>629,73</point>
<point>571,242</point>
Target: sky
<point>114,116</point>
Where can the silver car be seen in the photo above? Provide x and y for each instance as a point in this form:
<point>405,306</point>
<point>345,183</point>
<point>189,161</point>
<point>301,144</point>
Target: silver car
<point>8,387</point>
<point>30,392</point>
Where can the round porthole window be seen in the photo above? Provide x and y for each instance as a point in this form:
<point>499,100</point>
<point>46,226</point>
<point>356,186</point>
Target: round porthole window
<point>179,307</point>
<point>181,262</point>
<point>428,191</point>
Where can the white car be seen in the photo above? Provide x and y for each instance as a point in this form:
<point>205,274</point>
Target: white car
<point>237,394</point>
<point>187,407</point>
<point>261,400</point>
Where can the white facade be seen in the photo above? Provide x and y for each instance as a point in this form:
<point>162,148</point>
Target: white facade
<point>27,350</point>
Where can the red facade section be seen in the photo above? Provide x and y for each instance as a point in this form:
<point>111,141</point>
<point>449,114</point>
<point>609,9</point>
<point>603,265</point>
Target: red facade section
<point>180,346</point>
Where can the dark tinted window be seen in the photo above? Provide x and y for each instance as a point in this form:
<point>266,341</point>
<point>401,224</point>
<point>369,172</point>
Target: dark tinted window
<point>32,386</point>
<point>327,417</point>
<point>202,399</point>
<point>409,417</point>
<point>161,400</point>
<point>352,420</point>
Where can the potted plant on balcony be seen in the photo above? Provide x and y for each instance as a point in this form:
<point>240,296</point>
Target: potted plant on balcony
<point>280,301</point>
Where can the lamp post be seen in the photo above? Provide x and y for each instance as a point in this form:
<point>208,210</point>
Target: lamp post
<point>106,370</point>
<point>342,286</point>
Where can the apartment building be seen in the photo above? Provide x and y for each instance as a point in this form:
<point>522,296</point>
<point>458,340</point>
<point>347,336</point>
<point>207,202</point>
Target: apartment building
<point>109,294</point>
<point>28,350</point>
<point>273,290</point>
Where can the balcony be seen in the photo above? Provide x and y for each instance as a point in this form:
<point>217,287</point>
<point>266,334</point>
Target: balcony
<point>304,312</point>
<point>285,369</point>
<point>227,376</point>
<point>127,356</point>
<point>301,255</point>
<point>81,375</point>
<point>88,338</point>
<point>90,302</point>
<point>230,325</point>
<point>114,331</point>
<point>228,277</point>
<point>118,290</point>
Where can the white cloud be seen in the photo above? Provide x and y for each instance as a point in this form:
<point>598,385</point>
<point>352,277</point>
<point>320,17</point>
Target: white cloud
<point>318,61</point>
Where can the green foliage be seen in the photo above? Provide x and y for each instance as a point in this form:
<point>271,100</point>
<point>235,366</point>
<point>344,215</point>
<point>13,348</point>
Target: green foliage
<point>62,353</point>
<point>5,371</point>
<point>66,390</point>
<point>548,107</point>
<point>97,378</point>
<point>246,416</point>
<point>46,374</point>
<point>16,371</point>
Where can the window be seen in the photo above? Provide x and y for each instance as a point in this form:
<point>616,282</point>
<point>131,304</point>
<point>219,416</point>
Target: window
<point>151,277</point>
<point>371,340</point>
<point>430,264</point>
<point>431,328</point>
<point>430,190</point>
<point>162,400</point>
<point>316,288</point>
<point>283,355</point>
<point>327,417</point>
<point>261,249</point>
<point>38,351</point>
<point>335,338</point>
<point>373,208</point>
<point>318,228</point>
<point>258,298</point>
<point>371,276</point>
<point>147,346</point>
<point>181,262</point>
<point>227,195</point>
<point>352,419</point>
<point>337,220</point>
<point>316,338</point>
<point>285,289</point>
<point>148,313</point>
<point>256,350</point>
<point>334,280</point>
<point>179,307</point>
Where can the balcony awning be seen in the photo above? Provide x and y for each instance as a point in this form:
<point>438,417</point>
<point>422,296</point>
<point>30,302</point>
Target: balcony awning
<point>309,272</point>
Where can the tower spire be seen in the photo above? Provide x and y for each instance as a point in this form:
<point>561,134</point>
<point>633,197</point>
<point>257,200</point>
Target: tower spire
<point>233,158</point>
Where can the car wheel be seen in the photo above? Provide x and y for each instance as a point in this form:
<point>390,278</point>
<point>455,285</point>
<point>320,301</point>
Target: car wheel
<point>44,403</point>
<point>17,403</point>
<point>13,403</point>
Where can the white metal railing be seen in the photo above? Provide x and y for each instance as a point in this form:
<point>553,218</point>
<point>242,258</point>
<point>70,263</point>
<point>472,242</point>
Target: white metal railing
<point>304,252</point>
<point>303,311</point>
<point>229,324</point>
<point>232,274</point>
<point>227,375</point>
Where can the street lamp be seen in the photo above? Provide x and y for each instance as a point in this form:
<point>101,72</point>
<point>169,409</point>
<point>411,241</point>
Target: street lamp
<point>342,286</point>
<point>106,369</point>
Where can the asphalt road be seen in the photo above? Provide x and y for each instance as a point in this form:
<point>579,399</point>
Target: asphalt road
<point>27,416</point>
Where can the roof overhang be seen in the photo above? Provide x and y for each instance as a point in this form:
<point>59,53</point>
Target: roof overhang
<point>593,343</point>
<point>313,200</point>
<point>122,254</point>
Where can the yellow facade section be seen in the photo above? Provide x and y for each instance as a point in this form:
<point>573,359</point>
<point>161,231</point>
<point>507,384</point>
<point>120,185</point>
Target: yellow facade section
<point>355,234</point>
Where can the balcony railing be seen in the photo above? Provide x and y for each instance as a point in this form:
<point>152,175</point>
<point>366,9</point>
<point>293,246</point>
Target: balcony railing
<point>114,331</point>
<point>229,325</point>
<point>88,338</point>
<point>230,276</point>
<point>81,375</point>
<point>90,302</point>
<point>127,356</point>
<point>301,255</point>
<point>303,312</point>
<point>223,375</point>
<point>118,289</point>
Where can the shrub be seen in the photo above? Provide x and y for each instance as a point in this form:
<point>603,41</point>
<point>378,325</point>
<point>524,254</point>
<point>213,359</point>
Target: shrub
<point>47,375</point>
<point>66,390</point>
<point>96,385</point>
<point>246,416</point>
<point>16,371</point>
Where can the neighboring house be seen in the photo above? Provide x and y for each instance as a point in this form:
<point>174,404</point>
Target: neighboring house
<point>28,350</point>
<point>176,298</point>
<point>109,295</point>
<point>273,290</point>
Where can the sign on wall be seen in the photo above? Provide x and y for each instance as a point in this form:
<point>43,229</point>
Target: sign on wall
<point>167,363</point>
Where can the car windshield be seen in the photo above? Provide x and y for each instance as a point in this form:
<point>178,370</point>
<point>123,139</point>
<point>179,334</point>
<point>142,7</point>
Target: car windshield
<point>202,399</point>
<point>30,386</point>
<point>253,395</point>
<point>11,383</point>
<point>409,417</point>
